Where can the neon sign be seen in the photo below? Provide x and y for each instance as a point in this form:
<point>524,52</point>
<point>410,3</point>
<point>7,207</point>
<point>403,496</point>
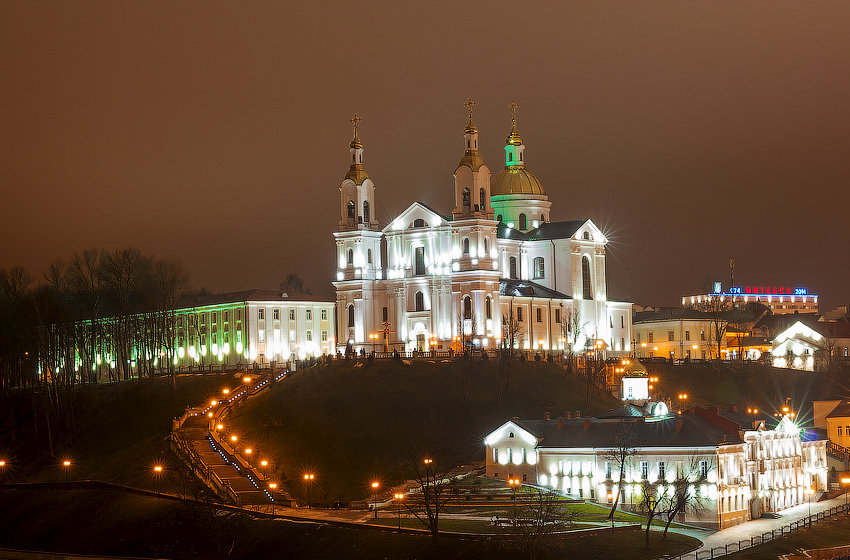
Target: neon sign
<point>768,290</point>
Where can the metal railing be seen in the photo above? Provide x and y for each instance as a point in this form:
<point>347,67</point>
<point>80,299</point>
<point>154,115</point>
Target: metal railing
<point>767,536</point>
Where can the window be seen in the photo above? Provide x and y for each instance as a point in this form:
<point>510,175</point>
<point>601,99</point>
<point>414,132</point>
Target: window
<point>215,317</point>
<point>350,209</point>
<point>702,335</point>
<point>350,316</point>
<point>309,315</point>
<point>538,268</point>
<point>276,314</point>
<point>510,156</point>
<point>513,267</point>
<point>585,278</point>
<point>261,335</point>
<point>611,321</point>
<point>292,315</point>
<point>418,222</point>
<point>324,315</point>
<point>226,316</point>
<point>650,337</point>
<point>481,198</point>
<point>488,305</point>
<point>523,222</point>
<point>687,335</point>
<point>607,469</point>
<point>309,336</point>
<point>495,455</point>
<point>324,336</point>
<point>670,336</point>
<point>350,258</point>
<point>261,314</point>
<point>519,313</point>
<point>622,321</point>
<point>644,470</point>
<point>465,245</point>
<point>839,430</point>
<point>291,336</point>
<point>385,314</point>
<point>586,236</point>
<point>661,470</point>
<point>637,338</point>
<point>238,314</point>
<point>486,248</point>
<point>366,211</point>
<point>369,256</point>
<point>542,218</point>
<point>419,301</point>
<point>703,469</point>
<point>499,218</point>
<point>557,315</point>
<point>467,308</point>
<point>467,202</point>
<point>419,261</point>
<point>539,315</point>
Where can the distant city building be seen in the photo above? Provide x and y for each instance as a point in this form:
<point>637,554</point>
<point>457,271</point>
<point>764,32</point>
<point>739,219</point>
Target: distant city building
<point>834,418</point>
<point>812,345</point>
<point>426,278</point>
<point>748,464</point>
<point>675,333</point>
<point>779,299</point>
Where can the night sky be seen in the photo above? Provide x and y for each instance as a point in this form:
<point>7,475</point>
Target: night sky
<point>217,133</point>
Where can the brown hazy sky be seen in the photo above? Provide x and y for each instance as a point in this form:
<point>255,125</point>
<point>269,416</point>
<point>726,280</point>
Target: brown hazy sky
<point>217,133</point>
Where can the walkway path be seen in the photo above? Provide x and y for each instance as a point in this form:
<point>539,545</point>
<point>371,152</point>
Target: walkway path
<point>757,527</point>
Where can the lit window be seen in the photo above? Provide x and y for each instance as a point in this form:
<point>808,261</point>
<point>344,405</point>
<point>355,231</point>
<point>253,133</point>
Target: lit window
<point>291,314</point>
<point>309,336</point>
<point>261,314</point>
<point>276,314</point>
<point>324,336</point>
<point>324,314</point>
<point>539,271</point>
<point>261,335</point>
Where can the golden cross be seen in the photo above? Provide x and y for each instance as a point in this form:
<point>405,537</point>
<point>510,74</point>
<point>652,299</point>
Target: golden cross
<point>470,103</point>
<point>355,119</point>
<point>513,107</point>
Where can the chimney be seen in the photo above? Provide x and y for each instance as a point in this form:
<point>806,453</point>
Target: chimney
<point>713,409</point>
<point>560,423</point>
<point>680,422</point>
<point>568,415</point>
<point>577,414</point>
<point>547,416</point>
<point>733,407</point>
<point>586,423</point>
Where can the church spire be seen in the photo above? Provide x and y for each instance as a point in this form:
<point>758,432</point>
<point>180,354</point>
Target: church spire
<point>356,171</point>
<point>471,158</point>
<point>514,147</point>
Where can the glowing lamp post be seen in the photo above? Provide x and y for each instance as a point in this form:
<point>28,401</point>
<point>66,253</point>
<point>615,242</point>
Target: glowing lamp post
<point>514,482</point>
<point>845,481</point>
<point>810,492</point>
<point>273,487</point>
<point>398,498</point>
<point>611,501</point>
<point>308,480</point>
<point>157,475</point>
<point>375,486</point>
<point>66,466</point>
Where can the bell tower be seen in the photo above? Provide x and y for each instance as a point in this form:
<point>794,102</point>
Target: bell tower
<point>472,176</point>
<point>357,191</point>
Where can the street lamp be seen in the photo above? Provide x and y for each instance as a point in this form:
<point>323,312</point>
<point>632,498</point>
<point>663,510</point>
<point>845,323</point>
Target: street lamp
<point>273,487</point>
<point>66,464</point>
<point>514,482</point>
<point>308,480</point>
<point>375,486</point>
<point>157,473</point>
<point>611,501</point>
<point>845,481</point>
<point>398,498</point>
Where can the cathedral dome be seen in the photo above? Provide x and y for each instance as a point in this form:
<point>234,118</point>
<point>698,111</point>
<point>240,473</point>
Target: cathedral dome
<point>516,180</point>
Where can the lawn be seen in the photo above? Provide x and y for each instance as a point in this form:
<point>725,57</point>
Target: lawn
<point>111,522</point>
<point>351,425</point>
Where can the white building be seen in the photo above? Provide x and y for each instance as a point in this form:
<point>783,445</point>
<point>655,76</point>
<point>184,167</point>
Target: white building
<point>428,277</point>
<point>739,466</point>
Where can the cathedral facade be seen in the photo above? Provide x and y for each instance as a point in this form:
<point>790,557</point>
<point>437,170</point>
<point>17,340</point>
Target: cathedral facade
<point>495,270</point>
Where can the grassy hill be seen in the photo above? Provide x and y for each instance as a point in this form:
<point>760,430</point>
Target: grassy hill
<point>350,425</point>
<point>753,385</point>
<point>119,430</point>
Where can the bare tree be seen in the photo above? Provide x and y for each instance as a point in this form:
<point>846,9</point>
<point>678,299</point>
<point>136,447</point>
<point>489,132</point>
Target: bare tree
<point>651,502</point>
<point>716,309</point>
<point>294,283</point>
<point>541,515</point>
<point>512,331</point>
<point>466,328</point>
<point>684,498</point>
<point>620,458</point>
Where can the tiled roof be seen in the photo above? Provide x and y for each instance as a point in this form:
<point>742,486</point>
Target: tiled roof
<point>246,296</point>
<point>546,230</point>
<point>670,314</point>
<point>524,288</point>
<point>840,411</point>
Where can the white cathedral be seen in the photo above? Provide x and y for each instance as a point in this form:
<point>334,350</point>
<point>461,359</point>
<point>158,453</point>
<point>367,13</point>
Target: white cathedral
<point>427,278</point>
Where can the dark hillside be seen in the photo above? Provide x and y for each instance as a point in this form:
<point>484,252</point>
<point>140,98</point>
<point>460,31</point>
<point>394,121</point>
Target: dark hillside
<point>351,424</point>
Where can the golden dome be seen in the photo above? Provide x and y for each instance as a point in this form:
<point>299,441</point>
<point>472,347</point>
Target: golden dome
<point>515,180</point>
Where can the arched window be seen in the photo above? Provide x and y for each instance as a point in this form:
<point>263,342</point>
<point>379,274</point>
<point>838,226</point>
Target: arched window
<point>467,200</point>
<point>486,247</point>
<point>351,316</point>
<point>510,156</point>
<point>481,200</point>
<point>366,211</point>
<point>418,222</point>
<point>488,308</point>
<point>419,301</point>
<point>350,209</point>
<point>369,256</point>
<point>499,218</point>
<point>523,222</point>
<point>467,307</point>
<point>542,218</point>
<point>465,245</point>
<point>585,278</point>
<point>539,271</point>
<point>586,235</point>
<point>513,267</point>
<point>350,258</point>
